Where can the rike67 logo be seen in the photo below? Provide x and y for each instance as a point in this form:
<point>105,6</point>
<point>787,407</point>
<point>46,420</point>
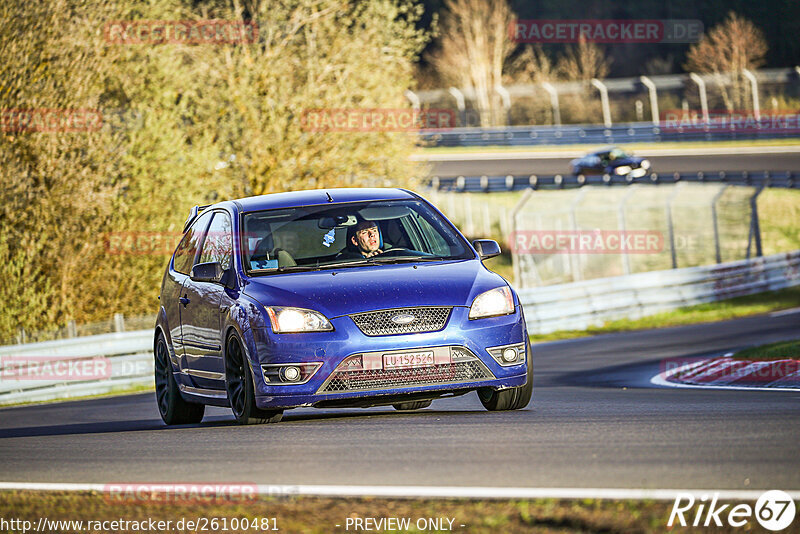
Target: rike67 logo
<point>774,510</point>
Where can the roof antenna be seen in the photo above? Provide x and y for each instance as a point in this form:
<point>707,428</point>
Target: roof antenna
<point>330,198</point>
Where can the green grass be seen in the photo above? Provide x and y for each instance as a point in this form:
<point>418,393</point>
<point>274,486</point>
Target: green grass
<point>628,146</point>
<point>774,351</point>
<point>702,313</point>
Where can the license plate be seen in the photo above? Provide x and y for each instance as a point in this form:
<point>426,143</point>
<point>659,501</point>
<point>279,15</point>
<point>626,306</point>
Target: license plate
<point>408,359</point>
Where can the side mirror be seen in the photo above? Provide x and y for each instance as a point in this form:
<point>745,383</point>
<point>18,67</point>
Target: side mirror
<point>486,248</point>
<point>207,272</point>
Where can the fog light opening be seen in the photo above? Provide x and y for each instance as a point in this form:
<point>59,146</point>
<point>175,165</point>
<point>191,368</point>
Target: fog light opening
<point>509,355</point>
<point>290,373</point>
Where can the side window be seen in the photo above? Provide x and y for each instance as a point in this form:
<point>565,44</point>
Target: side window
<point>218,245</point>
<point>187,248</point>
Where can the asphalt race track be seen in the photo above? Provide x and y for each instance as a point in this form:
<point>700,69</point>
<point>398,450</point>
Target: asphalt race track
<point>750,161</point>
<point>595,422</point>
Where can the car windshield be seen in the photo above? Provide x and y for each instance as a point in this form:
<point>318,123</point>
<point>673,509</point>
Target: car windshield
<point>347,235</point>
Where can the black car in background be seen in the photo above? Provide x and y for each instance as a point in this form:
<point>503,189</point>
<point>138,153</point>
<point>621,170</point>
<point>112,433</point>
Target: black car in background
<point>611,160</point>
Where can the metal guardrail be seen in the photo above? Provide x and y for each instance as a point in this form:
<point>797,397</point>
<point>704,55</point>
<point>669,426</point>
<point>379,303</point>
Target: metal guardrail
<point>477,184</point>
<point>579,305</point>
<point>579,134</point>
<point>567,306</point>
<point>74,367</point>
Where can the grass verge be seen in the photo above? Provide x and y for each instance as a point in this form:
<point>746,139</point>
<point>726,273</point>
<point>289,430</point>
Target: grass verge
<point>774,351</point>
<point>702,313</point>
<point>112,393</point>
<point>322,515</point>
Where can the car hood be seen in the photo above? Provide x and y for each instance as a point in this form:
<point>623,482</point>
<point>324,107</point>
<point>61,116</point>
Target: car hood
<point>366,288</point>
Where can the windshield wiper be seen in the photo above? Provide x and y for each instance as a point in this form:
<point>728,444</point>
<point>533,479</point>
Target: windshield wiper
<point>285,269</point>
<point>374,260</point>
<point>400,259</point>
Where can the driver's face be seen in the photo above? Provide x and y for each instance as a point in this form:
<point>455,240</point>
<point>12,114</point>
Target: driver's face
<point>367,240</point>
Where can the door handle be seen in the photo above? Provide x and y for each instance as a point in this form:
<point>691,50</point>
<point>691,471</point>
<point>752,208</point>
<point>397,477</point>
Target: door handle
<point>184,300</point>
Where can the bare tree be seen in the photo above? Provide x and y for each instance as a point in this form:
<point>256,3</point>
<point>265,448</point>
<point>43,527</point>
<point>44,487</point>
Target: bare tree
<point>474,46</point>
<point>583,61</point>
<point>532,65</point>
<point>580,63</point>
<point>729,48</point>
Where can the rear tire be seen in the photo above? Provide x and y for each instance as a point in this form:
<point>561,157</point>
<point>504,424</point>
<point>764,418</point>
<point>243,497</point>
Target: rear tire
<point>241,389</point>
<point>173,408</point>
<point>413,405</point>
<point>512,398</point>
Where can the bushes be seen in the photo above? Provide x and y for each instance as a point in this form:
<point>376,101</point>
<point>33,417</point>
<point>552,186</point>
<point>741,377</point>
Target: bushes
<point>183,125</point>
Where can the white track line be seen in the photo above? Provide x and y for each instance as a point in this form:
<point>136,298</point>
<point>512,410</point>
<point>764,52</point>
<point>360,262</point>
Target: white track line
<point>784,312</point>
<point>661,380</point>
<point>465,492</point>
<point>487,156</point>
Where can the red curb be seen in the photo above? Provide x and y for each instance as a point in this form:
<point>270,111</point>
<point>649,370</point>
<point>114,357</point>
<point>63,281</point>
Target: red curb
<point>727,371</point>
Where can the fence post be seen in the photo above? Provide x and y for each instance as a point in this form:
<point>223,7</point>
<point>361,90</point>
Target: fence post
<point>671,228</point>
<point>604,101</point>
<point>460,104</point>
<point>626,261</point>
<point>551,90</point>
<point>701,87</point>
<point>651,87</point>
<point>513,236</point>
<point>506,98</point>
<point>755,230</point>
<point>716,198</point>
<point>469,223</point>
<point>72,328</point>
<point>413,98</point>
<point>119,322</point>
<point>576,265</point>
<point>754,86</point>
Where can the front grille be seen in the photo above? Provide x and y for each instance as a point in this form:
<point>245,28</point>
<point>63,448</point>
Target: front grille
<point>371,379</point>
<point>425,319</point>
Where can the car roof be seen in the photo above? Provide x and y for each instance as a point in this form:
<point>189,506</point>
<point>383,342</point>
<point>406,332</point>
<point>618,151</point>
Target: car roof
<point>320,196</point>
<point>603,150</point>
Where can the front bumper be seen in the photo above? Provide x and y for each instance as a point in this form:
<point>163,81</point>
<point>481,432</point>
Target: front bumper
<point>461,361</point>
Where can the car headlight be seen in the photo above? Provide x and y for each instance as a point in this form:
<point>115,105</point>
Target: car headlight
<point>491,303</point>
<point>622,169</point>
<point>645,164</point>
<point>293,320</point>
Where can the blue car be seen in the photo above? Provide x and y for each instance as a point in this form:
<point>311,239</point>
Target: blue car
<point>611,160</point>
<point>333,298</point>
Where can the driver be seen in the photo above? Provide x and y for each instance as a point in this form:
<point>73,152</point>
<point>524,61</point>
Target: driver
<point>366,237</point>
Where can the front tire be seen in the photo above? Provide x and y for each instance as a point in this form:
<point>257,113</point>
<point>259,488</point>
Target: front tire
<point>173,408</point>
<point>241,389</point>
<point>512,398</point>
